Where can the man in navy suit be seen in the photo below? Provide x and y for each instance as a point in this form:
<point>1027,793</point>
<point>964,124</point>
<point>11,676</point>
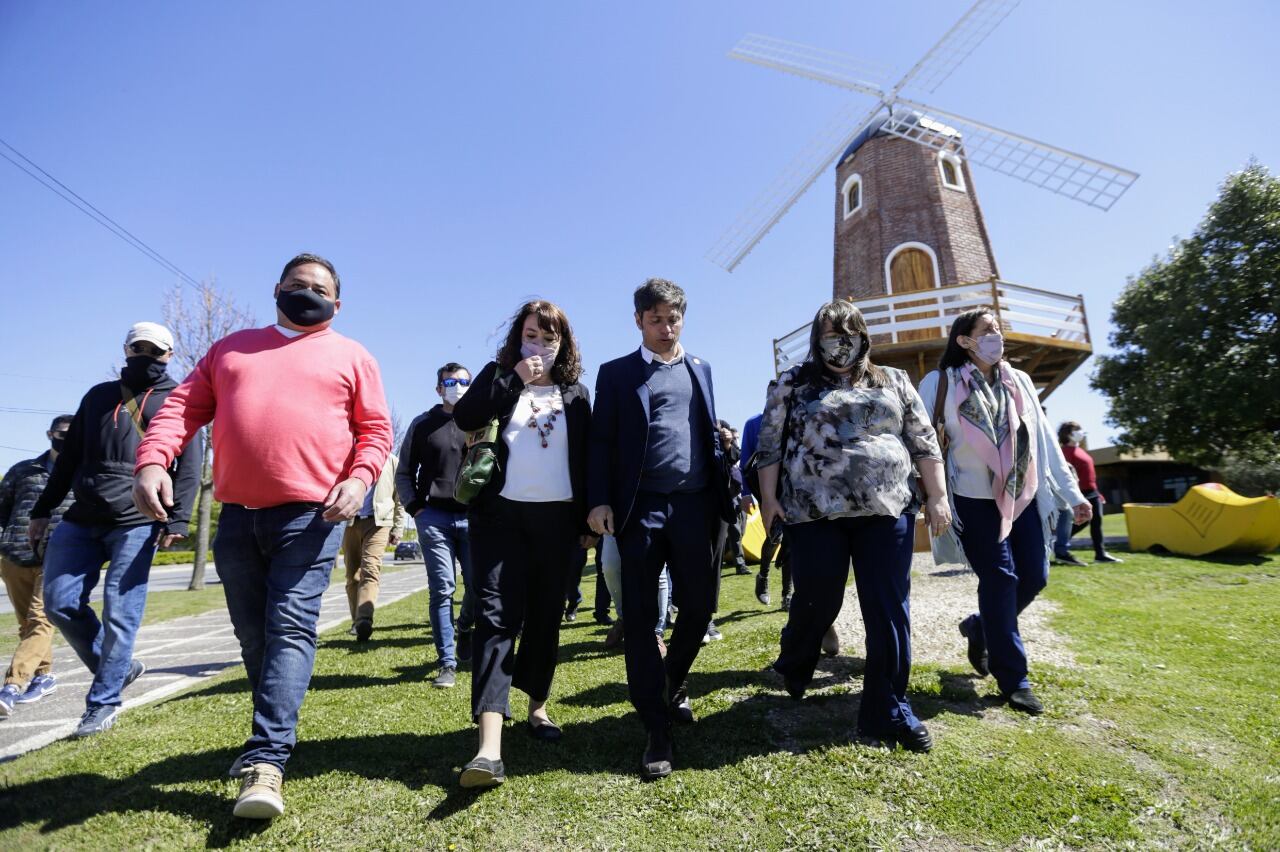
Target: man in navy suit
<point>657,481</point>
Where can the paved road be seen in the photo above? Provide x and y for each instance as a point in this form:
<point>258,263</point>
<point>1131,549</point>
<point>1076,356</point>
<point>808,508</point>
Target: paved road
<point>178,654</point>
<point>163,578</point>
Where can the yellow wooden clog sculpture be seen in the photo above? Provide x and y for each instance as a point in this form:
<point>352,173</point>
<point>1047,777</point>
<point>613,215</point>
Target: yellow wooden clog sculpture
<point>1210,518</point>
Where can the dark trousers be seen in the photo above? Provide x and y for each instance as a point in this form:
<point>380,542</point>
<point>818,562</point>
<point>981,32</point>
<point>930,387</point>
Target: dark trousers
<point>573,592</point>
<point>733,551</point>
<point>602,589</point>
<point>782,551</point>
<point>880,550</point>
<point>1094,524</point>
<point>679,531</point>
<point>1010,575</point>
<point>520,558</point>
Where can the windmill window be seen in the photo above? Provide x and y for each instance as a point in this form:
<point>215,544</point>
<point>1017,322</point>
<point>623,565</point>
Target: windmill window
<point>952,174</point>
<point>851,193</point>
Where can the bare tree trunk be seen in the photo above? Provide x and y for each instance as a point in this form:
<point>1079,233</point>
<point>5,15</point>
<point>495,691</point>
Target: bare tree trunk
<point>204,514</point>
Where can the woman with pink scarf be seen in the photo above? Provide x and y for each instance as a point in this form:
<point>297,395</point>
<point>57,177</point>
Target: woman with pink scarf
<point>1006,476</point>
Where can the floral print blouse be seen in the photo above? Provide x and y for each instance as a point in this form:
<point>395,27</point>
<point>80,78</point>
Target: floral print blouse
<point>849,448</point>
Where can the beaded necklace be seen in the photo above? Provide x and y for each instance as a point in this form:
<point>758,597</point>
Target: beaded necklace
<point>544,430</point>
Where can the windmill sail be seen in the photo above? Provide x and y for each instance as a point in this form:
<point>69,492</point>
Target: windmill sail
<point>955,45</point>
<point>799,175</point>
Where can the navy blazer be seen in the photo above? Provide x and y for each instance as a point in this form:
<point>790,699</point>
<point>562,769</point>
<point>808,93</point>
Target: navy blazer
<point>620,431</point>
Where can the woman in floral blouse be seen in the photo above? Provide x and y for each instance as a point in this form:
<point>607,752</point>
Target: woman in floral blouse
<point>841,440</point>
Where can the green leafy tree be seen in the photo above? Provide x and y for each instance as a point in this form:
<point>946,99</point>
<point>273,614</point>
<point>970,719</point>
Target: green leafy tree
<point>1197,363</point>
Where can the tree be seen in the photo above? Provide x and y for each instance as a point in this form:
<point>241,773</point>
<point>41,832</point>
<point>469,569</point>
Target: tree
<point>1197,363</point>
<point>197,322</point>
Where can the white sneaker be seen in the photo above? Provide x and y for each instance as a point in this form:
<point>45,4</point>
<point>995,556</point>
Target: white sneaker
<point>260,793</point>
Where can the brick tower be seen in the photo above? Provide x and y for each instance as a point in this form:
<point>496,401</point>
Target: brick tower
<point>906,219</point>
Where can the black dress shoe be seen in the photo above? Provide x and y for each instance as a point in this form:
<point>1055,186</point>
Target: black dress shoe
<point>681,707</point>
<point>571,614</point>
<point>762,590</point>
<point>656,762</point>
<point>547,732</point>
<point>795,688</point>
<point>915,738</point>
<point>603,618</point>
<point>1106,557</point>
<point>977,646</point>
<point>1069,559</point>
<point>482,772</point>
<point>1025,700</point>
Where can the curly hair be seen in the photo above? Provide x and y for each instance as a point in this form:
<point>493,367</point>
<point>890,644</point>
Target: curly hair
<point>568,366</point>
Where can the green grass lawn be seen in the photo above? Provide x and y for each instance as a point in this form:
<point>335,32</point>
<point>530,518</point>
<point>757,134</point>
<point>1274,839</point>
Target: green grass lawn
<point>1163,734</point>
<point>1112,526</point>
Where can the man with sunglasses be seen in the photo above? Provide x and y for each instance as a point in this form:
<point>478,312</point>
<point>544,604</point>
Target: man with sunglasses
<point>104,525</point>
<point>429,460</point>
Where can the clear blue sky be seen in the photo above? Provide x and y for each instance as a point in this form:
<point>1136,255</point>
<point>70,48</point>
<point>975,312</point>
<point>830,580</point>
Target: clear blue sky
<point>454,159</point>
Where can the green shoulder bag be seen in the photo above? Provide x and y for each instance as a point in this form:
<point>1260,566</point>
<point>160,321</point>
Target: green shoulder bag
<point>478,464</point>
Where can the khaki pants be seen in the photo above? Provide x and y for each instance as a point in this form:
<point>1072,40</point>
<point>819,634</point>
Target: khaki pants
<point>34,655</point>
<point>363,546</point>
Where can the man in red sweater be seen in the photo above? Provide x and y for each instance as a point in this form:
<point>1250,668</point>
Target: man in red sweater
<point>300,433</point>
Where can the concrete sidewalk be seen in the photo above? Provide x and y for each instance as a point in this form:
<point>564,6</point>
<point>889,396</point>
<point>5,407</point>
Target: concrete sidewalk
<point>178,654</point>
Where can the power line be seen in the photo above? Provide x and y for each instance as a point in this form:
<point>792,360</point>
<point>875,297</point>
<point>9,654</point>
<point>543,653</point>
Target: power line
<point>19,449</point>
<point>8,410</point>
<point>77,201</point>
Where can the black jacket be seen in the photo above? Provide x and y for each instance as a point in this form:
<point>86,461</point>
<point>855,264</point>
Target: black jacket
<point>494,393</point>
<point>21,488</point>
<point>429,460</point>
<point>97,461</point>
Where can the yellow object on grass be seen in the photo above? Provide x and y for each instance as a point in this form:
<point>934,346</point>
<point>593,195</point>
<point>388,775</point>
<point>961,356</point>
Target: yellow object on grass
<point>753,536</point>
<point>1210,518</point>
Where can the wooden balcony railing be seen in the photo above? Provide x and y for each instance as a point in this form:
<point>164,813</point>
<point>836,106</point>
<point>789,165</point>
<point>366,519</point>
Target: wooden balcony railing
<point>922,318</point>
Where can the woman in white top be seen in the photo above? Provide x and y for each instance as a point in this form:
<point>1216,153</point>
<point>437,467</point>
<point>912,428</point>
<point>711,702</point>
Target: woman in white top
<point>525,523</point>
<point>1006,477</point>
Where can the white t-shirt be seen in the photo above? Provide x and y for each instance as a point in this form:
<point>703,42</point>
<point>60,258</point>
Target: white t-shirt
<point>538,474</point>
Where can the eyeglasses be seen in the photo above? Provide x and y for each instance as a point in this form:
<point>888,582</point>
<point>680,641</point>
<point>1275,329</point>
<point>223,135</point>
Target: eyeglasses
<point>448,383</point>
<point>141,348</point>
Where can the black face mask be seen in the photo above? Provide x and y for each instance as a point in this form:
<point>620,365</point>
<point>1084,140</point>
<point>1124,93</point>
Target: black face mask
<point>57,443</point>
<point>141,371</point>
<point>304,307</point>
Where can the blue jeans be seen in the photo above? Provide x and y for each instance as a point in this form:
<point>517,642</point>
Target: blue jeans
<point>274,565</point>
<point>1062,533</point>
<point>72,567</point>
<point>444,536</point>
<point>1010,575</point>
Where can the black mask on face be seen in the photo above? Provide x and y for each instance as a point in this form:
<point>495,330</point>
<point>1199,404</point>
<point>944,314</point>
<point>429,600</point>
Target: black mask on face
<point>304,307</point>
<point>141,371</point>
<point>57,442</point>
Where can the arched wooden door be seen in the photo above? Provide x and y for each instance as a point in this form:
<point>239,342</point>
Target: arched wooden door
<point>912,269</point>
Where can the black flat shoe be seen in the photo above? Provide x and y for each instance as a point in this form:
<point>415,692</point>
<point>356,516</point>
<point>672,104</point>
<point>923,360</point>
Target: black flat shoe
<point>1069,559</point>
<point>915,739</point>
<point>681,708</point>
<point>482,772</point>
<point>1025,700</point>
<point>977,647</point>
<point>656,762</point>
<point>547,732</point>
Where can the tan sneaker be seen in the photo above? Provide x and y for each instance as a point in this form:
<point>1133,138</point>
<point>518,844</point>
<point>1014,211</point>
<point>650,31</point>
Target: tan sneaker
<point>260,793</point>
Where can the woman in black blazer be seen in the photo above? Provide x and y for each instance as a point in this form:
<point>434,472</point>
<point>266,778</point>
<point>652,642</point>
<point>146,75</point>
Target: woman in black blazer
<point>526,522</point>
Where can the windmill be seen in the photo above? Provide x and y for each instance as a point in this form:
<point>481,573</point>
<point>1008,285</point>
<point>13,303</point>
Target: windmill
<point>907,218</point>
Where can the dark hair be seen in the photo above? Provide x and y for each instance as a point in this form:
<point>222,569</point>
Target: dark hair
<point>59,420</point>
<point>307,257</point>
<point>956,355</point>
<point>655,291</point>
<point>1065,430</point>
<point>451,367</point>
<point>724,424</point>
<point>568,366</point>
<point>845,318</point>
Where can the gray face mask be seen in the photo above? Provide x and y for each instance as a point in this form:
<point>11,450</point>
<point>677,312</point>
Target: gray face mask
<point>840,352</point>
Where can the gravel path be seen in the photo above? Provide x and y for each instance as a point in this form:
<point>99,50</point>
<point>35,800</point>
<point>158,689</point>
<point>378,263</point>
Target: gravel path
<point>941,595</point>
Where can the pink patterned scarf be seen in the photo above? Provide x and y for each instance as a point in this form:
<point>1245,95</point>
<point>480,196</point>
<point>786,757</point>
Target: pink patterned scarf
<point>993,423</point>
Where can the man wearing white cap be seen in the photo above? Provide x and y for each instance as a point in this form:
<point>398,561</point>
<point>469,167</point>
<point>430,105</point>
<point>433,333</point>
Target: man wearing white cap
<point>104,525</point>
